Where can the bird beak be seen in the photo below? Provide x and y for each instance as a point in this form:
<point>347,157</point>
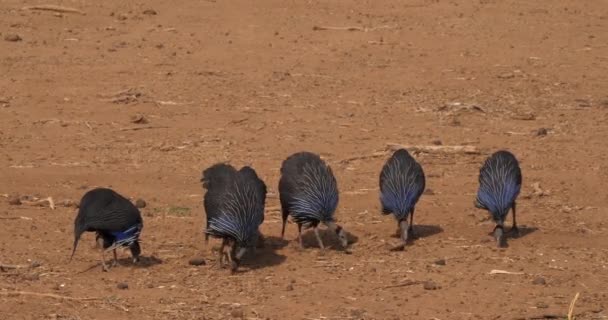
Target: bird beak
<point>499,236</point>
<point>237,259</point>
<point>240,253</point>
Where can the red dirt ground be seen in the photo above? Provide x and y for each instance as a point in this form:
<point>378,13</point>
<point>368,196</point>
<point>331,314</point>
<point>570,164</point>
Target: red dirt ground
<point>252,82</point>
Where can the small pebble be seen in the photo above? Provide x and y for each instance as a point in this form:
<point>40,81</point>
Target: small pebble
<point>440,262</point>
<point>237,313</point>
<point>140,203</point>
<point>31,277</point>
<point>139,118</point>
<point>506,75</point>
<point>150,12</point>
<point>429,192</point>
<point>539,281</point>
<point>541,132</point>
<point>289,287</point>
<point>430,285</point>
<point>542,305</point>
<point>197,262</point>
<point>122,286</point>
<point>12,37</point>
<point>14,200</point>
<point>437,142</point>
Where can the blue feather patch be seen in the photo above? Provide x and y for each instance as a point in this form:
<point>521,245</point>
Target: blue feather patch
<point>127,237</point>
<point>499,184</point>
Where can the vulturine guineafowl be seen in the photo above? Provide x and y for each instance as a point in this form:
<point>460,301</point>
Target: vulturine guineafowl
<point>402,182</point>
<point>234,205</point>
<point>309,193</point>
<point>115,220</point>
<point>499,186</point>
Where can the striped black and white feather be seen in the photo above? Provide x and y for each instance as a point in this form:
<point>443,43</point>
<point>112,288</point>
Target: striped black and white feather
<point>308,189</point>
<point>402,182</point>
<point>499,184</point>
<point>113,217</point>
<point>234,203</point>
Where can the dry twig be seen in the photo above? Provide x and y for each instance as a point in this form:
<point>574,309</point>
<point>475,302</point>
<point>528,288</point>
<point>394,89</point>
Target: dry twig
<point>44,295</point>
<point>435,149</point>
<point>505,272</point>
<point>142,128</point>
<point>571,309</point>
<point>403,284</point>
<point>54,8</point>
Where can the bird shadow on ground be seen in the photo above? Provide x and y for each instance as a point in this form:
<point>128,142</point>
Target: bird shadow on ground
<point>265,255</point>
<point>421,231</point>
<point>329,238</point>
<point>144,262</point>
<point>510,235</point>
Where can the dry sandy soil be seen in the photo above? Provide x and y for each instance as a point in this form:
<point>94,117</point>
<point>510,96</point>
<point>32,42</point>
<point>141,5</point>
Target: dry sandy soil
<point>252,82</point>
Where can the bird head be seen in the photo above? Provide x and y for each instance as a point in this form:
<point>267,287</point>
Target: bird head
<point>340,232</point>
<point>499,236</point>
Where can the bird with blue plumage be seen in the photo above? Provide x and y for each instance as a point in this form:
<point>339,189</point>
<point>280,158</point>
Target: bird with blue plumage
<point>499,185</point>
<point>234,205</point>
<point>402,182</point>
<point>308,191</point>
<point>114,219</point>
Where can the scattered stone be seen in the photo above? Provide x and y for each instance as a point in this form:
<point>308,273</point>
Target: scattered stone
<point>122,286</point>
<point>583,103</point>
<point>542,305</point>
<point>31,277</point>
<point>506,75</point>
<point>538,191</point>
<point>150,12</point>
<point>289,287</point>
<point>140,203</point>
<point>35,264</point>
<point>541,132</point>
<point>237,313</point>
<point>14,200</point>
<point>437,142</point>
<point>539,281</point>
<point>139,119</point>
<point>528,116</point>
<point>68,203</point>
<point>440,262</point>
<point>12,37</point>
<point>430,285</point>
<point>429,192</point>
<point>197,262</point>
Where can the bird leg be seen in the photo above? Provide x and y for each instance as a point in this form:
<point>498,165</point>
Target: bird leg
<point>104,266</point>
<point>221,254</point>
<point>300,236</point>
<point>514,228</point>
<point>115,261</point>
<point>403,226</point>
<point>232,257</point>
<point>284,223</point>
<point>316,230</point>
<point>411,227</point>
